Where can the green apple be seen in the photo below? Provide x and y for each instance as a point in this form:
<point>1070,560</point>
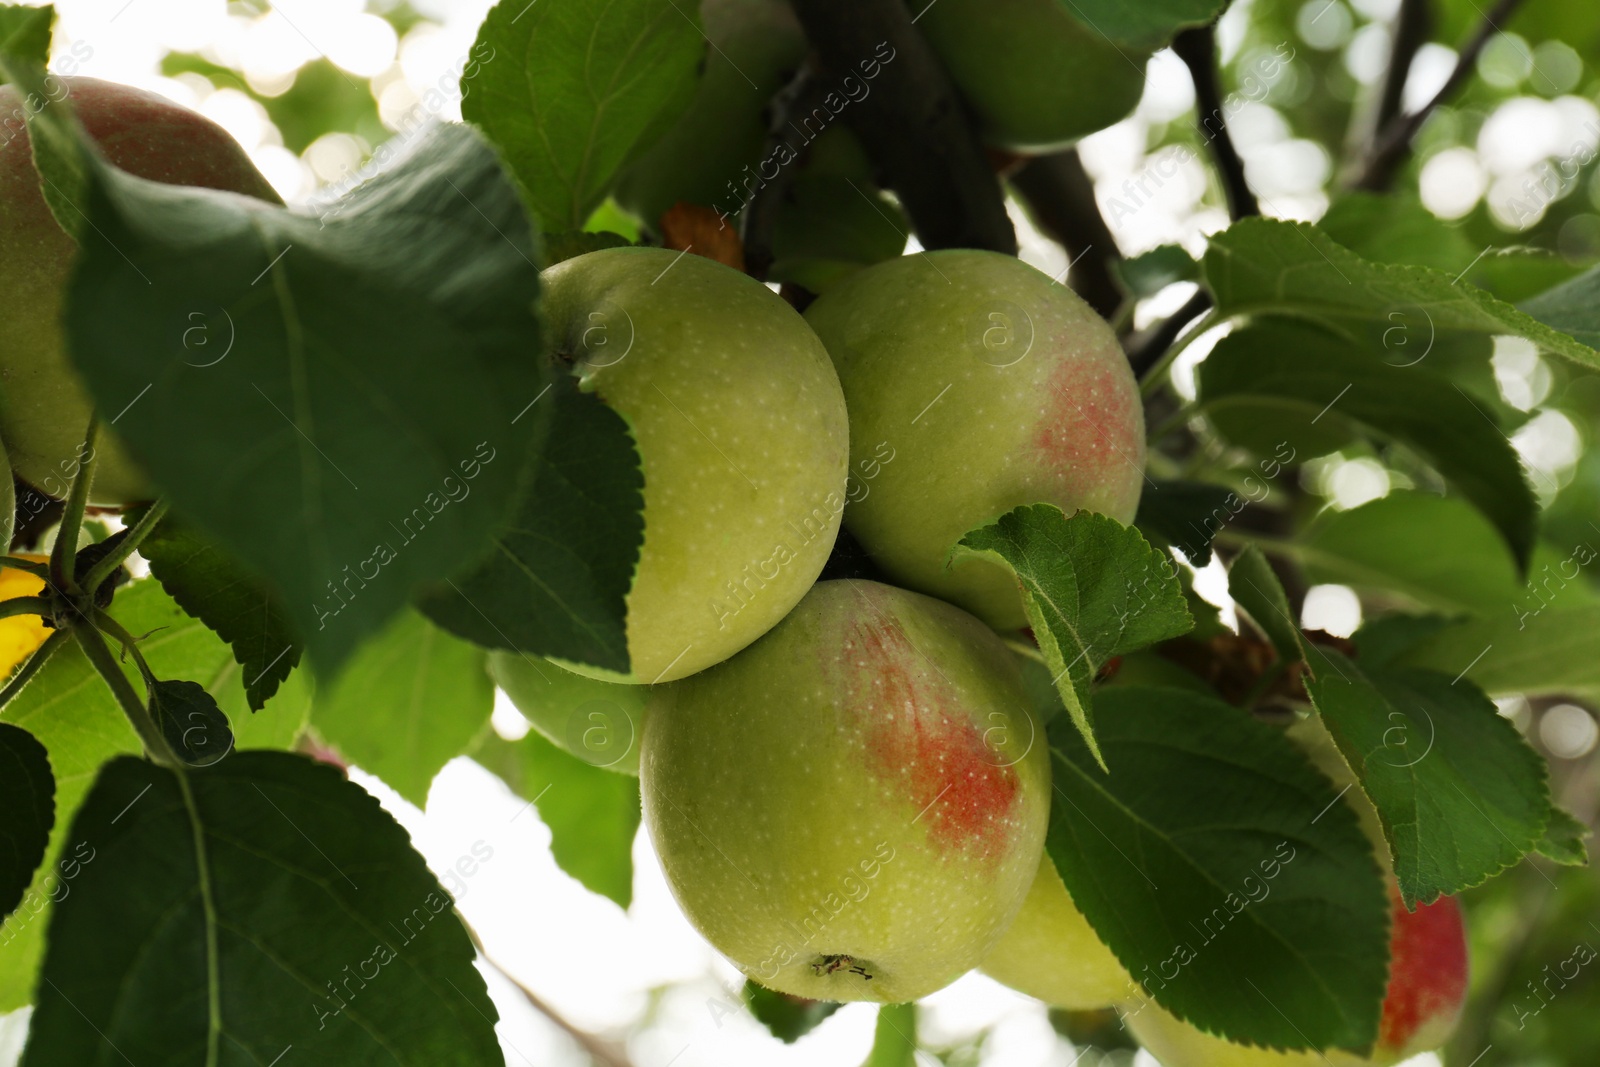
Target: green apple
<point>1052,953</point>
<point>1421,1006</point>
<point>1035,76</point>
<point>742,437</point>
<point>597,721</point>
<point>43,408</point>
<point>975,384</point>
<point>852,808</point>
<point>709,154</point>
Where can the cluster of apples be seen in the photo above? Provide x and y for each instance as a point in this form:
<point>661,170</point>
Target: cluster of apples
<point>846,780</point>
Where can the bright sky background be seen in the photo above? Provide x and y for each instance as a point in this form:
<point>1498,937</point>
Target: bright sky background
<point>645,972</point>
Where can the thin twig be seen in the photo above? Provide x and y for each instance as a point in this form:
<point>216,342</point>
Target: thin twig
<point>130,542</point>
<point>40,657</point>
<point>910,121</point>
<point>1197,47</point>
<point>598,1049</point>
<point>1393,142</point>
<point>1060,195</point>
<point>64,555</point>
<point>1145,350</point>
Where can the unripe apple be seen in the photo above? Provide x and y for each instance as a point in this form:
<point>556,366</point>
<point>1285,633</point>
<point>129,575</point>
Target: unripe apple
<point>1035,76</point>
<point>741,432</point>
<point>1427,987</point>
<point>853,807</point>
<point>975,384</point>
<point>44,410</point>
<point>1052,953</point>
<point>714,147</point>
<point>597,721</point>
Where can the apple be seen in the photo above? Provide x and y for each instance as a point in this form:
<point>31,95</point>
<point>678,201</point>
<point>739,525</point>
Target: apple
<point>741,431</point>
<point>975,384</point>
<point>44,410</point>
<point>1035,77</point>
<point>1052,953</point>
<point>755,48</point>
<point>1427,987</point>
<point>597,721</point>
<point>853,807</point>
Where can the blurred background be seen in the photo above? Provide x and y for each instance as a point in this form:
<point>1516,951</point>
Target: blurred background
<point>312,87</point>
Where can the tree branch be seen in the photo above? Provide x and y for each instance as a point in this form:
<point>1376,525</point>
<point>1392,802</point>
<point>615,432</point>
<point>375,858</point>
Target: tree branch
<point>909,119</point>
<point>1393,141</point>
<point>801,97</point>
<point>1060,195</point>
<point>1413,24</point>
<point>1197,47</point>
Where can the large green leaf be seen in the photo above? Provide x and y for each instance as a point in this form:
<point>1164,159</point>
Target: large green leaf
<point>262,907</point>
<point>215,588</point>
<point>352,428</point>
<point>568,88</point>
<point>1092,588</point>
<point>1277,380</point>
<point>1460,794</point>
<point>72,713</point>
<point>411,700</point>
<point>1523,649</point>
<point>25,32</point>
<point>1186,515</point>
<point>1148,24</point>
<point>1268,266</point>
<point>557,580</point>
<point>1438,551</point>
<point>27,812</point>
<point>593,814</point>
<point>1218,866</point>
<point>1572,307</point>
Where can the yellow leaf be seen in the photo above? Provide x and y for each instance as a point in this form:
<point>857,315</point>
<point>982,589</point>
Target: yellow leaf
<point>20,634</point>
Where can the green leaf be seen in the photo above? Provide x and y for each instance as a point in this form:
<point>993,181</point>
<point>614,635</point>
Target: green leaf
<point>568,88</point>
<point>894,1039</point>
<point>27,808</point>
<point>1438,551</point>
<point>787,1018</point>
<point>260,905</point>
<point>569,244</point>
<point>1092,588</point>
<point>1396,228</point>
<point>1256,589</point>
<point>215,588</point>
<point>1572,307</point>
<point>25,32</point>
<point>1268,266</point>
<point>592,813</point>
<point>1148,24</point>
<point>1276,379</point>
<point>1148,273</point>
<point>557,580</point>
<point>72,713</point>
<point>411,700</point>
<point>1563,840</point>
<point>191,722</point>
<point>1460,794</point>
<point>362,433</point>
<point>1524,649</point>
<point>1387,638</point>
<point>1217,865</point>
<point>1186,515</point>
